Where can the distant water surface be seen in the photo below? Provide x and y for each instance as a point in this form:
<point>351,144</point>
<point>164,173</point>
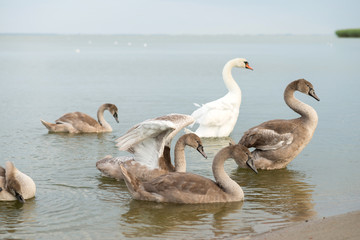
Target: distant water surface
<point>43,77</point>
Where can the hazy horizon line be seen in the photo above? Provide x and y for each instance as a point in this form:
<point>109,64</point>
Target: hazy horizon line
<point>175,34</point>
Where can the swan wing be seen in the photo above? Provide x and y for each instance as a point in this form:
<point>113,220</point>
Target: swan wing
<point>215,113</point>
<point>271,135</point>
<point>76,118</point>
<point>146,141</point>
<point>183,188</point>
<point>179,120</point>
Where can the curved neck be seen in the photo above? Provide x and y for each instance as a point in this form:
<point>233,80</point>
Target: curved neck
<point>308,114</point>
<point>179,155</point>
<point>165,160</point>
<point>221,177</point>
<point>101,119</point>
<point>229,81</point>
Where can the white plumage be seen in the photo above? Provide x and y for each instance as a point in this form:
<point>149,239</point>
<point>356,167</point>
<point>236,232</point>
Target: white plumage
<point>218,118</point>
<point>146,141</point>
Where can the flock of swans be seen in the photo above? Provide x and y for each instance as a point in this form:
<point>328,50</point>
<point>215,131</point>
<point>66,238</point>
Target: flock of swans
<point>149,173</point>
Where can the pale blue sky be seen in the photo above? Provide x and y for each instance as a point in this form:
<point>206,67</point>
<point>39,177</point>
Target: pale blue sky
<point>178,16</point>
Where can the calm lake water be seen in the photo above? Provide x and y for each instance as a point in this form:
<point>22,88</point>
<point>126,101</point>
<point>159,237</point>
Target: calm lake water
<point>43,77</point>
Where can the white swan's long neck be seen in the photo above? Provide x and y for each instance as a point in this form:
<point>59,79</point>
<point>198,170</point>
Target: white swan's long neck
<point>308,114</point>
<point>221,177</point>
<point>101,119</point>
<point>229,81</point>
<point>179,155</point>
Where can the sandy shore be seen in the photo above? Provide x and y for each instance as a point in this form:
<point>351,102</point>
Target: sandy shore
<point>344,226</point>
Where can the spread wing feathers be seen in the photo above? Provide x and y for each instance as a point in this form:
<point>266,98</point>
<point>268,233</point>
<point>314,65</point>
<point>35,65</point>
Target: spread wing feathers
<point>215,113</point>
<point>76,117</point>
<point>179,120</point>
<point>146,141</point>
<point>266,139</point>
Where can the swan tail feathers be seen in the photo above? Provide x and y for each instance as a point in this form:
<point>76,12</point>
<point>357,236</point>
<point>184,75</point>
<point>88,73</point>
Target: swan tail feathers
<point>197,105</point>
<point>59,127</point>
<point>49,126</point>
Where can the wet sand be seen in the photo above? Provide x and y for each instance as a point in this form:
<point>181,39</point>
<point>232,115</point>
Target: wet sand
<point>344,226</point>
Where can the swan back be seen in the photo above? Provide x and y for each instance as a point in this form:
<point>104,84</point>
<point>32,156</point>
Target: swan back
<point>16,183</point>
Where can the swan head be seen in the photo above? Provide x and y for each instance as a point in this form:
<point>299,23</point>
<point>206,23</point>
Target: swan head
<point>113,110</point>
<point>241,154</point>
<point>242,63</point>
<point>306,87</point>
<point>194,141</point>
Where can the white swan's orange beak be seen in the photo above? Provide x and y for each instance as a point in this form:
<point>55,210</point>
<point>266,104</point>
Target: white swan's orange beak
<point>248,67</point>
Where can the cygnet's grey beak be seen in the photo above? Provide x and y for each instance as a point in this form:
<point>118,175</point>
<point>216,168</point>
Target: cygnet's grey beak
<point>116,117</point>
<point>250,163</point>
<point>312,93</point>
<point>200,149</point>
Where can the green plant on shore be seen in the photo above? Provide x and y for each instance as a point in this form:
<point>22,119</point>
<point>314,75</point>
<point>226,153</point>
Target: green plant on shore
<point>354,32</point>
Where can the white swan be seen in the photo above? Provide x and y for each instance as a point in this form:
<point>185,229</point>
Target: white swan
<point>77,122</point>
<point>15,185</point>
<point>150,143</point>
<point>278,142</point>
<point>218,118</point>
<point>190,188</point>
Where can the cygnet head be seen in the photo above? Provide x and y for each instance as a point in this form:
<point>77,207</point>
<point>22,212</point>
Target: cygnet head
<point>242,63</point>
<point>306,87</point>
<point>113,110</point>
<point>242,155</point>
<point>194,141</point>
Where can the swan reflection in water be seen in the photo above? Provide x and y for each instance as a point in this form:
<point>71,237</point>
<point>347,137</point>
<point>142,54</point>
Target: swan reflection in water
<point>151,219</point>
<point>14,214</point>
<point>281,192</point>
